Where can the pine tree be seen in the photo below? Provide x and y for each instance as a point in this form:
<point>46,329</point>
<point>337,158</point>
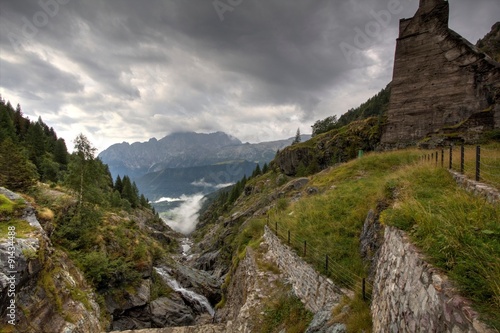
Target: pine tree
<point>16,172</point>
<point>130,191</point>
<point>265,168</point>
<point>118,185</point>
<point>135,196</point>
<point>297,137</point>
<point>20,123</point>
<point>144,202</point>
<point>257,171</point>
<point>83,171</point>
<point>7,129</point>
<point>61,152</point>
<point>35,143</point>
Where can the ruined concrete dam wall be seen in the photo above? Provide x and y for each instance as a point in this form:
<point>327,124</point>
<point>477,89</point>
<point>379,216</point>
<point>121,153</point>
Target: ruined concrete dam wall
<point>440,80</point>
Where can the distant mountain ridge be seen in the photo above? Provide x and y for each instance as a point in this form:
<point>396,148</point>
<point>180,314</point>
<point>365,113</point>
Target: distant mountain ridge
<point>186,149</point>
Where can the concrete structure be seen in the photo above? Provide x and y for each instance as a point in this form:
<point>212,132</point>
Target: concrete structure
<point>440,81</point>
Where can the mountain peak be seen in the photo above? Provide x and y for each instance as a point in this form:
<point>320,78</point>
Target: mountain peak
<point>219,139</point>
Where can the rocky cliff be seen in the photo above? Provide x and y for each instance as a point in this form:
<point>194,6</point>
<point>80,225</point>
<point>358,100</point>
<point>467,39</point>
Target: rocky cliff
<point>42,287</point>
<point>440,82</point>
<point>50,294</point>
<point>339,145</point>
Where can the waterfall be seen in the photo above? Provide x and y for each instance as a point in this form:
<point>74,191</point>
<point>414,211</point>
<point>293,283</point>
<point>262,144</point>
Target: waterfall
<point>186,244</point>
<point>188,294</point>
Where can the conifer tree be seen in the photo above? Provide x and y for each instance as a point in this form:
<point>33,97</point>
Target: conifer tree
<point>16,172</point>
<point>144,202</point>
<point>130,191</point>
<point>83,171</point>
<point>297,137</point>
<point>7,129</point>
<point>257,171</point>
<point>61,152</point>
<point>35,143</point>
<point>265,168</point>
<point>20,123</point>
<point>118,185</point>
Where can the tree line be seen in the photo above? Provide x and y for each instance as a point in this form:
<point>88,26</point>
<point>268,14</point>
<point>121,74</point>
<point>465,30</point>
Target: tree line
<point>376,106</point>
<point>31,151</point>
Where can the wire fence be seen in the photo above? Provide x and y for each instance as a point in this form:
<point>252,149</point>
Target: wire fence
<point>323,261</point>
<point>481,163</point>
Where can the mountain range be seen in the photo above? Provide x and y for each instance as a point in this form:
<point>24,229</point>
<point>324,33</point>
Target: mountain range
<point>188,162</point>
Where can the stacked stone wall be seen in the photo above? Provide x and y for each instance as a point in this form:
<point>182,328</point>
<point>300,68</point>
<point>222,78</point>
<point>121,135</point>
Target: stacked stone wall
<point>313,289</point>
<point>410,295</point>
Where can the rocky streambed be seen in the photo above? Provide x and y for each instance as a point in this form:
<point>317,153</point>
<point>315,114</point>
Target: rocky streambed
<point>189,300</point>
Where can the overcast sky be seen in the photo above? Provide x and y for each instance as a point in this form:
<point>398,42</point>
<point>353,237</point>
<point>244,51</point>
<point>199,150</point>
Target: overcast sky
<point>124,70</point>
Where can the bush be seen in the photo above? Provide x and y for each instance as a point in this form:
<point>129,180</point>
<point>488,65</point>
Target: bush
<point>108,273</point>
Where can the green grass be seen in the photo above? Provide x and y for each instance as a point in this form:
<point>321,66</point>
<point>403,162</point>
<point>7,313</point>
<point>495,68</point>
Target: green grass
<point>331,222</point>
<point>8,208</point>
<point>10,216</point>
<point>285,312</point>
<point>354,313</point>
<point>22,228</point>
<point>460,233</point>
<point>490,162</point>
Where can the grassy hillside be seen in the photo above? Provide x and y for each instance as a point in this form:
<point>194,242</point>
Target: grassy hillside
<point>459,232</point>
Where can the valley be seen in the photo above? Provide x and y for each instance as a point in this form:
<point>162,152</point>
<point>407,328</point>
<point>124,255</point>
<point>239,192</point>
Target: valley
<point>386,219</point>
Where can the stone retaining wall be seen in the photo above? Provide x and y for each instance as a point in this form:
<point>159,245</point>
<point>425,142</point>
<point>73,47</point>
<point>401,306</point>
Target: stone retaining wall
<point>409,295</point>
<point>480,189</point>
<point>314,290</point>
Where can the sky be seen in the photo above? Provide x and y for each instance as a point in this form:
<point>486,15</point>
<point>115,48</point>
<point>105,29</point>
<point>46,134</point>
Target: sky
<point>124,70</point>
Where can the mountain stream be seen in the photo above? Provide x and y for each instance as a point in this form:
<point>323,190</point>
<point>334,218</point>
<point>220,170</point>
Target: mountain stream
<point>189,295</point>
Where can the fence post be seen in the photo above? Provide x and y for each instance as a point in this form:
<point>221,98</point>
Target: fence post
<point>442,157</point>
<point>288,237</point>
<point>451,157</point>
<point>462,159</point>
<point>478,163</point>
<point>305,248</point>
<point>437,158</point>
<point>276,228</point>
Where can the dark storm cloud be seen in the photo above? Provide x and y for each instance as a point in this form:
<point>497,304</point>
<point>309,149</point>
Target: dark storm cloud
<point>48,79</point>
<point>160,66</point>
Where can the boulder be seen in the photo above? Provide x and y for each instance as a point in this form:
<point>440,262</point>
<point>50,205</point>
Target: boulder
<point>166,312</point>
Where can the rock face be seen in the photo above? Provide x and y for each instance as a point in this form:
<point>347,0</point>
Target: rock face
<point>50,293</point>
<point>321,151</point>
<point>440,80</point>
